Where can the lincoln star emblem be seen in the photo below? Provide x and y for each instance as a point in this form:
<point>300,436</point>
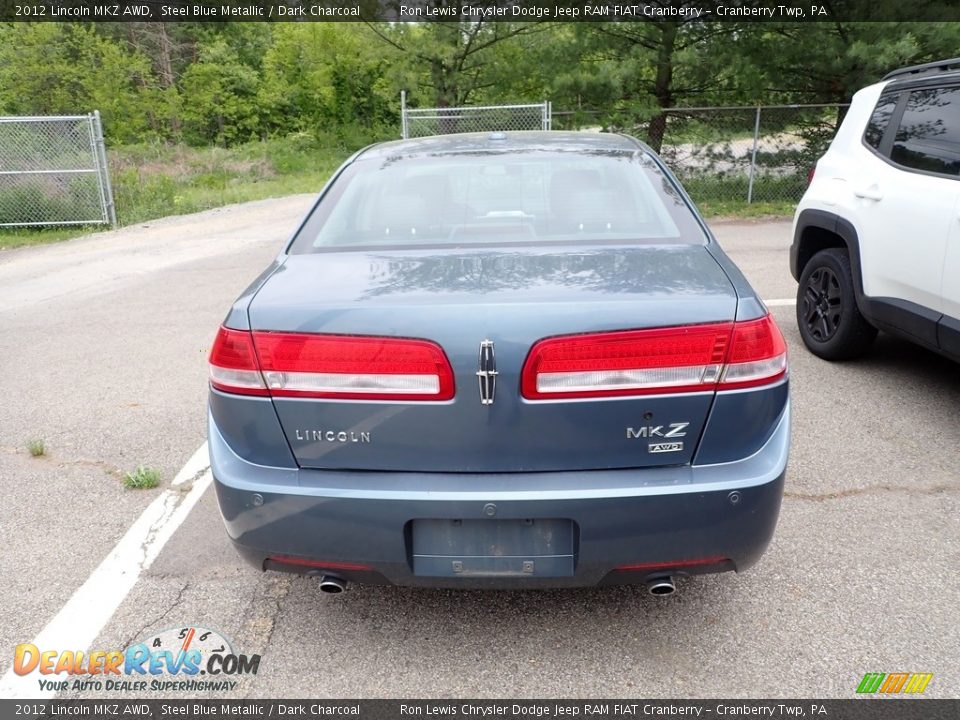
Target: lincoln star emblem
<point>487,374</point>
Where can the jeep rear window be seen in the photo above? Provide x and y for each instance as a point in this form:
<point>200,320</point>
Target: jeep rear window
<point>523,197</point>
<point>877,126</point>
<point>928,137</point>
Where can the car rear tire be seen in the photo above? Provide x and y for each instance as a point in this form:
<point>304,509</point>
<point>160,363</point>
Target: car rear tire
<point>829,320</point>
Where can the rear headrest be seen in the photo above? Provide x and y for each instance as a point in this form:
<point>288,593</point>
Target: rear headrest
<point>431,188</point>
<point>565,184</point>
<point>401,212</point>
<point>579,197</point>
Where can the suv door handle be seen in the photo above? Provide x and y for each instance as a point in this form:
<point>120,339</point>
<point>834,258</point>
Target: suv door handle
<point>870,193</point>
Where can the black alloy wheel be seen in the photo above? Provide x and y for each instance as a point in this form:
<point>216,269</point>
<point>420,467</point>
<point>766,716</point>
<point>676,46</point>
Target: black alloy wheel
<point>828,318</point>
<point>822,304</point>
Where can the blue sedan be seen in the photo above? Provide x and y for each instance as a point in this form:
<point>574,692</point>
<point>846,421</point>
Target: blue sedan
<point>509,360</point>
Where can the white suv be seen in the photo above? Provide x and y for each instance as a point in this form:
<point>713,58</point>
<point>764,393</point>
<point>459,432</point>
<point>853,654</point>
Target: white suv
<point>876,237</point>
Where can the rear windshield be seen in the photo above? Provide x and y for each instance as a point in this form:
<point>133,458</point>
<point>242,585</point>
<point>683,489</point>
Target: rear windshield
<point>489,198</point>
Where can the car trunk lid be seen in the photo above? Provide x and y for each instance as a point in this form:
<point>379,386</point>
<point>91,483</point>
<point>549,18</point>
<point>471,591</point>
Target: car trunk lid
<point>499,302</point>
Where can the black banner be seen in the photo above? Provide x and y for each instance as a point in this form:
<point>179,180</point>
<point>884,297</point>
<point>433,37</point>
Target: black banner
<point>859,709</point>
<point>477,10</point>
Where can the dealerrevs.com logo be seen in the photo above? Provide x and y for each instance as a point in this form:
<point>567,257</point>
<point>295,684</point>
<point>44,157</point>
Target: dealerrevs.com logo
<point>186,659</point>
<point>894,683</point>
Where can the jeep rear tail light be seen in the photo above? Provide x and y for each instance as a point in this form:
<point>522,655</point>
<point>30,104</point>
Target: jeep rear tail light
<point>347,367</point>
<point>686,358</point>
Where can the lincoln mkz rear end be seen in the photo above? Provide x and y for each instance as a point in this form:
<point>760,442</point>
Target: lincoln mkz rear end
<point>509,360</point>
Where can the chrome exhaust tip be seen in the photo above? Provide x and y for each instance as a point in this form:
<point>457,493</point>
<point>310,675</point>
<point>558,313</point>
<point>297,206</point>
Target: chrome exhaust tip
<point>661,586</point>
<point>332,584</point>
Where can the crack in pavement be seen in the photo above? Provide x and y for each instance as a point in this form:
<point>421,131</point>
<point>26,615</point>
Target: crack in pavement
<point>47,457</point>
<point>171,501</point>
<point>870,489</point>
<point>188,482</point>
<point>176,602</point>
<point>262,621</point>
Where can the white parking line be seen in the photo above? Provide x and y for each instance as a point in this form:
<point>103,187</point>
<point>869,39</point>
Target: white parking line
<point>780,302</point>
<point>87,612</point>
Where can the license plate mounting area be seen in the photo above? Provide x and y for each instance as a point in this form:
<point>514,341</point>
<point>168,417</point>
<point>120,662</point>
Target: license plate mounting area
<point>531,547</point>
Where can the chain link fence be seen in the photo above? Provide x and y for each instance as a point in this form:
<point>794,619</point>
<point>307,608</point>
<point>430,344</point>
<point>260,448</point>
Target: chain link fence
<point>722,155</point>
<point>420,122</point>
<point>734,154</point>
<point>53,171</point>
<point>761,154</point>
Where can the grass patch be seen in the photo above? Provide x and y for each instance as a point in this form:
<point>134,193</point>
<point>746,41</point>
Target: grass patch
<point>143,478</point>
<point>22,237</point>
<point>155,181</point>
<point>720,195</point>
<point>740,209</point>
<point>36,447</point>
<point>708,186</point>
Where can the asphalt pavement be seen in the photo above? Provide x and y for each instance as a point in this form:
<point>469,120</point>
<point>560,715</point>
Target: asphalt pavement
<point>103,345</point>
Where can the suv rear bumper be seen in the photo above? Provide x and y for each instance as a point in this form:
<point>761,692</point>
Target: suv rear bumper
<point>627,525</point>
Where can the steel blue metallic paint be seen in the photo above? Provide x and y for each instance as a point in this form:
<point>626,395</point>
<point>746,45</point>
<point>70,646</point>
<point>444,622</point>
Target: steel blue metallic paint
<point>354,503</point>
<point>622,516</point>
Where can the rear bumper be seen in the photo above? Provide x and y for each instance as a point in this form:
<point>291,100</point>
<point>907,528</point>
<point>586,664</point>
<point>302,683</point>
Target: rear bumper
<point>628,525</point>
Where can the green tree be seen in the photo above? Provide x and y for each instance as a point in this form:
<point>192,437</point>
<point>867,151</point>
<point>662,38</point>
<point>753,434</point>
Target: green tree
<point>220,96</point>
<point>447,64</point>
<point>54,68</point>
<point>828,62</point>
<point>325,75</point>
<point>630,71</point>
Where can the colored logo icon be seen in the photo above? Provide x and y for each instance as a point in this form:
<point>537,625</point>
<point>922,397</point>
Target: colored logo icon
<point>894,683</point>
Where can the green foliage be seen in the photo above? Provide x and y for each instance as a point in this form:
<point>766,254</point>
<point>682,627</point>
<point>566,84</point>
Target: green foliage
<point>447,64</point>
<point>323,76</point>
<point>143,478</point>
<point>52,68</point>
<point>36,447</point>
<point>828,62</point>
<point>708,189</point>
<point>157,180</point>
<point>33,202</point>
<point>739,209</point>
<point>221,93</point>
<point>26,236</point>
<point>196,115</point>
<point>228,84</point>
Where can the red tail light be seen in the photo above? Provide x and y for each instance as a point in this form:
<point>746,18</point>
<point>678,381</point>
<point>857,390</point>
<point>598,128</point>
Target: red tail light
<point>689,358</point>
<point>332,366</point>
<point>324,564</point>
<point>810,173</point>
<point>233,364</point>
<point>757,355</point>
<point>673,564</point>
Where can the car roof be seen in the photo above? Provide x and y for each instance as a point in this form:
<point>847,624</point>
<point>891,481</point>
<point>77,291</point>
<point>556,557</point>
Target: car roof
<point>498,142</point>
<point>925,75</point>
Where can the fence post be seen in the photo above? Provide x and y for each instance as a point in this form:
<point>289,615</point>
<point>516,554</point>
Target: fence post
<point>753,155</point>
<point>104,169</point>
<point>95,157</point>
<point>403,114</point>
